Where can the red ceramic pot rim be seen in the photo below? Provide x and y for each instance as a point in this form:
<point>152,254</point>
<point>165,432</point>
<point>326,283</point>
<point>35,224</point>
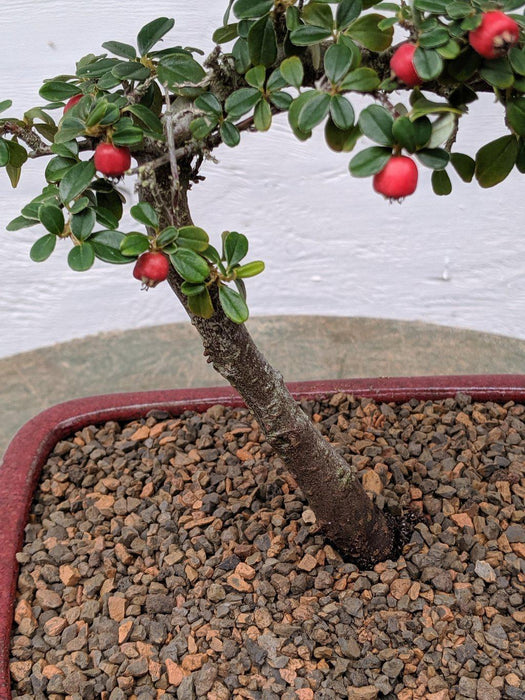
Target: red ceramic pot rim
<point>29,449</point>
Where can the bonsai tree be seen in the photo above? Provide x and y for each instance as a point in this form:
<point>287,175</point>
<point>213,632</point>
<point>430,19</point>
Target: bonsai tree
<point>155,112</point>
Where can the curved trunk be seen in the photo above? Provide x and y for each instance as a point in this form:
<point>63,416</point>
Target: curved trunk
<point>357,528</point>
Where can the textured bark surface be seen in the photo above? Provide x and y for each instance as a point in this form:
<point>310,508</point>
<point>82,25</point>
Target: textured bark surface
<point>346,515</point>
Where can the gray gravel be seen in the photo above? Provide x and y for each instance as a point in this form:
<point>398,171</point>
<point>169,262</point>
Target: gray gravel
<point>176,558</point>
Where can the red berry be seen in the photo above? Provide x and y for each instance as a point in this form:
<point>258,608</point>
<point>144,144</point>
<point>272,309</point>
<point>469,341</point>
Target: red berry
<point>72,102</point>
<point>402,65</point>
<point>398,178</point>
<point>112,160</point>
<point>496,33</point>
<point>151,268</point>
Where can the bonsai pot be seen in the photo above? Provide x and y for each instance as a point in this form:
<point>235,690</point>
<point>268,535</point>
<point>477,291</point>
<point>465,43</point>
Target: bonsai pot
<point>29,449</point>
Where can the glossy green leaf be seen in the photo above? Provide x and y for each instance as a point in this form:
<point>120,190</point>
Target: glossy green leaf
<point>250,269</point>
<point>342,112</point>
<point>256,77</point>
<point>442,129</point>
<point>81,257</point>
<point>465,65</point>
<point>262,42</point>
<point>132,70</point>
<point>167,237</point>
<point>246,9</point>
<point>178,69</point>
<point>516,115</point>
<point>5,104</point>
<point>190,266</point>
<point>193,237</point>
<point>441,182</point>
<point>517,60</point>
<point>83,223</point>
<point>242,101</point>
<point>495,160</point>
<point>421,107</point>
<point>57,90</point>
<point>361,80</point>
<point>134,244</point>
<point>67,149</point>
<point>146,117</point>
<point>230,134</point>
<point>128,136</point>
<point>190,290</point>
<point>337,62</point>
<point>428,63</point>
<point>292,71</point>
<point>202,127</point>
<point>459,9</point>
<point>498,73</point>
<point>347,11</point>
<point>434,38</point>
<point>464,166</point>
<point>70,128</point>
<point>201,304</point>
<point>233,304</point>
<point>4,153</point>
<point>340,140</point>
<point>21,222</point>
<point>314,110</point>
<point>376,122</point>
<point>106,246</point>
<point>152,33</point>
<point>17,154</point>
<point>305,35</point>
<point>369,161</point>
<point>235,248</point>
<point>76,180</point>
<point>52,218</point>
<point>318,14</point>
<point>282,100</point>
<point>366,32</point>
<point>262,116</point>
<point>435,158</point>
<point>449,50</point>
<point>223,35</point>
<point>120,49</point>
<point>79,205</point>
<point>404,133</point>
<point>145,214</point>
<point>241,55</point>
<point>43,247</point>
<point>209,103</point>
<point>438,7</point>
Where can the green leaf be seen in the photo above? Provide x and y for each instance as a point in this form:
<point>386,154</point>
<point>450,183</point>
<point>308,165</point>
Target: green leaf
<point>341,112</point>
<point>292,18</point>
<point>437,7</point>
<point>223,35</point>
<point>97,113</point>
<point>435,158</point>
<point>465,65</point>
<point>132,70</point>
<point>242,101</point>
<point>256,77</point>
<point>516,115</point>
<point>145,214</point>
<point>43,247</point>
<point>70,128</point>
<point>449,50</point>
<point>190,290</point>
<point>314,110</point>
<point>262,116</point>
<point>370,161</point>
<point>404,133</point>
<point>459,9</point>
<point>193,237</point>
<point>76,180</point>
<point>246,9</point>
<point>428,64</point>
<point>361,80</point>
<point>233,304</point>
<point>376,122</point>
<point>292,71</point>
<point>57,91</point>
<point>495,160</point>
<point>434,38</point>
<point>120,49</point>
<point>21,222</point>
<point>80,205</point>
<point>318,14</point>
<point>52,218</point>
<point>250,269</point>
<point>230,134</point>
<point>4,153</point>
<point>5,104</point>
<point>306,35</point>
<point>146,117</point>
<point>366,32</point>
<point>190,266</point>
<point>209,103</point>
<point>152,33</point>
<point>442,129</point>
<point>127,136</point>
<point>441,182</point>
<point>67,149</point>
<point>179,69</point>
<point>235,248</point>
<point>17,154</point>
<point>201,304</point>
<point>262,42</point>
<point>517,60</point>
<point>167,237</point>
<point>134,244</point>
<point>83,223</point>
<point>241,55</point>
<point>347,11</point>
<point>281,100</point>
<point>498,73</point>
<point>464,166</point>
<point>98,68</point>
<point>106,246</point>
<point>340,140</point>
<point>337,62</point>
<point>421,107</point>
<point>202,127</point>
<point>81,257</point>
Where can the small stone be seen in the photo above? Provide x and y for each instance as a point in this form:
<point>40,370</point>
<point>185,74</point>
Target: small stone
<point>485,571</point>
<point>216,592</point>
<point>468,686</point>
<point>55,626</point>
<point>175,673</point>
<point>366,692</point>
<point>515,533</point>
<point>245,571</point>
<point>239,584</point>
<point>372,482</point>
<point>159,603</point>
<point>400,587</point>
<point>117,608</point>
<point>485,691</point>
<point>192,662</point>
<point>307,563</point>
<point>138,668</point>
<point>48,600</point>
<point>462,520</point>
<point>20,669</point>
<point>393,668</point>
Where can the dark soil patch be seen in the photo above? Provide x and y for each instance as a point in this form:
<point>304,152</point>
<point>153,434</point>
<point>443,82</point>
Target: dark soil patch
<point>176,558</point>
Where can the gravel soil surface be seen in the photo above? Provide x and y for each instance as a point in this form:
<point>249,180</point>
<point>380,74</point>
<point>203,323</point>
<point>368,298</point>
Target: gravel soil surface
<point>174,557</point>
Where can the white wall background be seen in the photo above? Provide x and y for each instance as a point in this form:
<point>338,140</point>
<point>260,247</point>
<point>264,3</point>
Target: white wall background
<point>332,246</point>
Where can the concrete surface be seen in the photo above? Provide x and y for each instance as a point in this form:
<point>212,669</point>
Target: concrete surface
<point>301,347</point>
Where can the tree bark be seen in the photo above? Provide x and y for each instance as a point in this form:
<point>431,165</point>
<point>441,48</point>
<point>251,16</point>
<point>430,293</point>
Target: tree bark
<point>357,528</point>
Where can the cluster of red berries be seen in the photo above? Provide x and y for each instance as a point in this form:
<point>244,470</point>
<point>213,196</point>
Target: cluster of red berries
<point>492,39</point>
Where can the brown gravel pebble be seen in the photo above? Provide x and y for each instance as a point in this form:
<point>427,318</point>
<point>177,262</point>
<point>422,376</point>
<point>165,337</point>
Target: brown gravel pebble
<point>176,559</point>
